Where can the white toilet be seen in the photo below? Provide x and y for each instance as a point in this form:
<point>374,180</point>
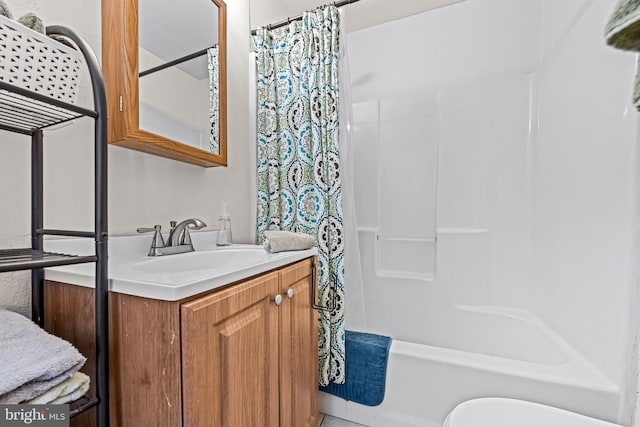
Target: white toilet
<point>502,412</point>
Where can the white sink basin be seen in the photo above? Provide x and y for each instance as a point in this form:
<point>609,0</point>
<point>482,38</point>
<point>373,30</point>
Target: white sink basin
<point>218,259</point>
<point>168,277</point>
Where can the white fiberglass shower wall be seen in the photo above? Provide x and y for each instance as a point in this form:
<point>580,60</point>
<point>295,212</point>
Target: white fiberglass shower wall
<point>495,171</point>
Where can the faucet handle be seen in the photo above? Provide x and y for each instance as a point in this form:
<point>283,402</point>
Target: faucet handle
<point>148,229</point>
<point>157,242</point>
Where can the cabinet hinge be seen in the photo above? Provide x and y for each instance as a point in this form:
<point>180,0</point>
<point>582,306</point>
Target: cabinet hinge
<point>120,102</point>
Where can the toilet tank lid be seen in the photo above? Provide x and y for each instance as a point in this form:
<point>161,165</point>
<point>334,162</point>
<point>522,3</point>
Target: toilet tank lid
<point>503,412</point>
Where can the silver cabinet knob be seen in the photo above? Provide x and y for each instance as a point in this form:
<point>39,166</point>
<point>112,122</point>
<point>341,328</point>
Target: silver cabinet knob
<point>278,299</point>
<point>289,293</point>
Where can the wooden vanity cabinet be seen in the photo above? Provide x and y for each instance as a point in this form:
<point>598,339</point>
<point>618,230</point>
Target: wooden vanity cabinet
<point>229,358</point>
<point>264,372</point>
<point>298,348</point>
<point>230,355</point>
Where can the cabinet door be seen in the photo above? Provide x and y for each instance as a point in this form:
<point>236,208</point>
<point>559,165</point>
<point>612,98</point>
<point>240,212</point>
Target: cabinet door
<point>299,348</point>
<point>230,356</point>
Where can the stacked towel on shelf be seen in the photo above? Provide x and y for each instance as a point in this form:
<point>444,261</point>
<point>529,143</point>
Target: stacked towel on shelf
<point>33,361</point>
<point>279,241</point>
<point>67,391</point>
<point>4,10</point>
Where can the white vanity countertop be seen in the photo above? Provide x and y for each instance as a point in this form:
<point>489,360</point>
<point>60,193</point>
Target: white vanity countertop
<point>169,277</point>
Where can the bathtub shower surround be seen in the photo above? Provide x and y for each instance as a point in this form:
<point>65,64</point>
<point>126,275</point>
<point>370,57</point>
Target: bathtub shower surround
<point>495,167</point>
<point>485,351</point>
<point>299,186</point>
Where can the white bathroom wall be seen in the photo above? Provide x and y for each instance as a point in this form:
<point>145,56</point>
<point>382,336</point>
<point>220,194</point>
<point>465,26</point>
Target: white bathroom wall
<point>584,179</point>
<point>143,189</point>
<point>558,19</point>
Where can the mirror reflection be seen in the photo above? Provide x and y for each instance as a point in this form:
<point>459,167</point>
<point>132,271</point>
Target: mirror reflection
<point>178,71</point>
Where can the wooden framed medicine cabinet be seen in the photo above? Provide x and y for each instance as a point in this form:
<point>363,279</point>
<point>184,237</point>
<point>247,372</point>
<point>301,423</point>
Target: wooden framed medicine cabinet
<point>124,27</point>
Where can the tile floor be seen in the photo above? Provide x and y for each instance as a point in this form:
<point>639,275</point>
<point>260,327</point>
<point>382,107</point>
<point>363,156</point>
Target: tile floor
<point>330,421</point>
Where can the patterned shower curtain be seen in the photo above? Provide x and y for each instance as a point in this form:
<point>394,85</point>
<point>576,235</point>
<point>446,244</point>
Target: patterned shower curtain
<point>299,186</point>
<point>214,99</point>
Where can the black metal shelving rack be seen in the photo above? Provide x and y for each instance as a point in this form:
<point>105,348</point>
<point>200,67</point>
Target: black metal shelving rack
<point>28,113</point>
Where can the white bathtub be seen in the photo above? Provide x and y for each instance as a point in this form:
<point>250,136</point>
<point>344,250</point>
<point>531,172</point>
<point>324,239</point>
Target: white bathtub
<point>486,351</point>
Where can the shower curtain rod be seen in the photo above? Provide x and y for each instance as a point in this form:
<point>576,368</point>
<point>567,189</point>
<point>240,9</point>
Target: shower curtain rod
<point>297,18</point>
<point>176,61</point>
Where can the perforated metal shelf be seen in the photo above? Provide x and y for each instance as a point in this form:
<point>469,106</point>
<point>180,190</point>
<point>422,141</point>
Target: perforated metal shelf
<point>24,111</point>
<point>27,259</point>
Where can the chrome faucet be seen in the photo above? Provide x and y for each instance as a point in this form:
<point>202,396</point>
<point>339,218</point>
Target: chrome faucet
<point>179,240</point>
<point>179,234</point>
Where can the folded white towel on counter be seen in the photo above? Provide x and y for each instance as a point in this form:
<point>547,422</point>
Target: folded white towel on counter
<point>279,241</point>
<point>33,361</point>
<point>71,389</point>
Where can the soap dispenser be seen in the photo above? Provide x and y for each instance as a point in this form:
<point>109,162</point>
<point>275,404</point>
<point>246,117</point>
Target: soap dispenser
<point>224,227</point>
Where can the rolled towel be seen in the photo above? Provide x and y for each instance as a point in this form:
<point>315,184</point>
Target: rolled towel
<point>33,361</point>
<point>623,28</point>
<point>623,32</point>
<point>67,391</point>
<point>279,241</point>
<point>31,20</point>
<point>4,10</point>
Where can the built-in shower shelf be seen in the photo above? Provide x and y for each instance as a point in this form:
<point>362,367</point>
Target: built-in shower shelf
<point>26,259</point>
<point>24,111</point>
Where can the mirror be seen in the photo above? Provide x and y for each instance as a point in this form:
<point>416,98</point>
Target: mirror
<point>165,75</point>
<point>179,88</point>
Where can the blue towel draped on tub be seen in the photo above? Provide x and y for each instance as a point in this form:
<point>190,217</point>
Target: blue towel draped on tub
<point>365,369</point>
